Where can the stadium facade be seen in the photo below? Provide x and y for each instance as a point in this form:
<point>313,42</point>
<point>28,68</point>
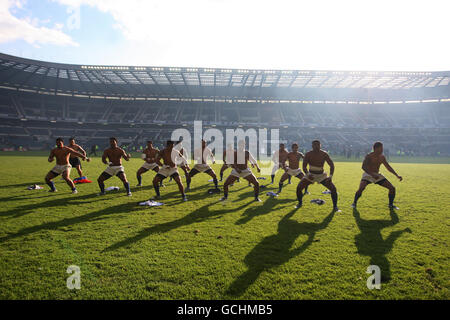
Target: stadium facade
<point>39,101</point>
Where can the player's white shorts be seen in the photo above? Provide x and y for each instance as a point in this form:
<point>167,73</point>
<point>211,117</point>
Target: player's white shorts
<point>167,171</point>
<point>114,170</point>
<point>58,169</point>
<point>243,174</point>
<point>316,177</point>
<point>294,172</point>
<point>202,167</point>
<point>149,166</point>
<point>367,177</point>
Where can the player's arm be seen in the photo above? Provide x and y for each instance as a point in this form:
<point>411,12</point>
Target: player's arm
<point>104,157</point>
<point>390,169</point>
<point>330,163</point>
<point>75,153</point>
<point>305,164</point>
<point>51,157</point>
<point>82,150</point>
<point>125,155</point>
<point>158,159</point>
<point>253,161</point>
<point>366,165</point>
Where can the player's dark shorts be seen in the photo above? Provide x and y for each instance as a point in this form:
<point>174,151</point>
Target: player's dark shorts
<point>75,162</point>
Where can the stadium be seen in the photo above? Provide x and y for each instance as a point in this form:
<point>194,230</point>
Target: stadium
<point>409,111</point>
<point>113,226</point>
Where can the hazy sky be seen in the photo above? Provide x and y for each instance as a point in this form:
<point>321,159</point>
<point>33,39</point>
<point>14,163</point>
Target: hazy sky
<point>400,35</point>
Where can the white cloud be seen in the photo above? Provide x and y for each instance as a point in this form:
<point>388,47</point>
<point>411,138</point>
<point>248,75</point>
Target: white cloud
<point>282,34</point>
<point>28,29</point>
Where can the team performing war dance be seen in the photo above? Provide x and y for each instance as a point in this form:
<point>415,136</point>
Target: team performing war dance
<point>165,164</point>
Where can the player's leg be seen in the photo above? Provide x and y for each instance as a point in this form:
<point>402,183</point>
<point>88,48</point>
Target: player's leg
<point>300,177</point>
<point>177,179</point>
<point>252,179</point>
<point>156,169</point>
<point>300,187</point>
<point>334,196</point>
<point>274,171</point>
<point>282,180</point>
<point>222,170</point>
<point>191,174</point>
<point>212,174</point>
<point>48,180</point>
<point>121,175</point>
<point>229,181</point>
<point>186,175</point>
<point>139,175</point>
<point>156,183</point>
<point>101,181</point>
<point>362,185</point>
<point>79,170</point>
<point>66,176</point>
<point>385,183</point>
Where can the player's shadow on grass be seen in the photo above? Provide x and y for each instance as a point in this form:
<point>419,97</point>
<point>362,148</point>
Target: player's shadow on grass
<point>93,216</point>
<point>30,208</point>
<point>370,242</point>
<point>199,215</point>
<point>267,207</point>
<point>275,250</point>
<point>18,185</point>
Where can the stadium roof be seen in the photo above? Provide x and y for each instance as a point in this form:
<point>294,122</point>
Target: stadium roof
<point>133,81</point>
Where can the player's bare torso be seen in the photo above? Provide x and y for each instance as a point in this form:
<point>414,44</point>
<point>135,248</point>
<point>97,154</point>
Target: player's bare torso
<point>293,159</point>
<point>316,159</point>
<point>115,156</point>
<point>374,161</point>
<point>238,160</point>
<point>62,155</point>
<point>282,156</point>
<point>166,156</point>
<point>151,155</point>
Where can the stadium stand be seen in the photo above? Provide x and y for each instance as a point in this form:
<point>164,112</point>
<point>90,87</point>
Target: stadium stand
<point>39,101</point>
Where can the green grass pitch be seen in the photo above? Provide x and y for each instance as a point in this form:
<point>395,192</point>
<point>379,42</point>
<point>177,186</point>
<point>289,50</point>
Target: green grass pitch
<point>204,249</point>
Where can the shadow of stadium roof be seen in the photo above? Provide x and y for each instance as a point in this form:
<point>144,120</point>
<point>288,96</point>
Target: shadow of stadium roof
<point>146,82</point>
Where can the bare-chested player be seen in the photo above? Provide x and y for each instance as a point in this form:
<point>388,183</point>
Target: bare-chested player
<point>74,160</point>
<point>171,158</point>
<point>228,156</point>
<point>241,169</point>
<point>114,154</point>
<point>184,165</point>
<point>279,159</point>
<point>316,158</point>
<point>293,170</point>
<point>62,154</point>
<point>202,156</point>
<point>371,167</point>
<point>149,156</point>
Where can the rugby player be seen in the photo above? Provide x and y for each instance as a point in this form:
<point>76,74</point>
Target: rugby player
<point>171,157</point>
<point>201,156</point>
<point>279,158</point>
<point>114,154</point>
<point>293,170</point>
<point>371,166</point>
<point>241,169</point>
<point>74,160</point>
<point>184,165</point>
<point>62,167</point>
<point>149,156</point>
<point>316,158</point>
